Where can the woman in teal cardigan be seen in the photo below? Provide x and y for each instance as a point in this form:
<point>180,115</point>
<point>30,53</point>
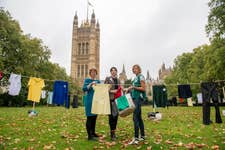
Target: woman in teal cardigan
<point>91,118</point>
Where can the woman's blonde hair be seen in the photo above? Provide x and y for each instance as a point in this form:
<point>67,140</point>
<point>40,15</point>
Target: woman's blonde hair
<point>136,65</point>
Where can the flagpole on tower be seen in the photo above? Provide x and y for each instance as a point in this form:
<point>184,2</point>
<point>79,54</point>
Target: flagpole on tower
<point>87,8</point>
<point>88,3</point>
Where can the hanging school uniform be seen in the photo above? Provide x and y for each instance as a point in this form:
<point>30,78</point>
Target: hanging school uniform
<point>209,90</point>
<point>15,84</point>
<point>35,85</point>
<point>101,101</point>
<point>43,94</point>
<point>75,101</point>
<point>184,91</point>
<point>50,96</point>
<point>60,92</point>
<point>199,97</point>
<point>159,96</point>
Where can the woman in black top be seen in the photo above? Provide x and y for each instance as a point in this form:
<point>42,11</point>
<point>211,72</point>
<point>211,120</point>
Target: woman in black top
<point>113,117</point>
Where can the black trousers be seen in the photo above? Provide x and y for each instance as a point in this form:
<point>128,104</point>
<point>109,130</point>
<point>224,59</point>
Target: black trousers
<point>137,118</point>
<point>90,125</point>
<point>112,119</point>
<point>113,122</point>
<point>209,90</point>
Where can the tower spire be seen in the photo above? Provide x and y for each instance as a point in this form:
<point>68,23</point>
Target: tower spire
<point>148,76</point>
<point>87,8</point>
<point>75,20</point>
<point>123,69</point>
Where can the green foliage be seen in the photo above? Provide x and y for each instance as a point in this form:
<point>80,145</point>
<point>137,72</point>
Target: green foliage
<point>205,63</point>
<point>216,19</point>
<point>28,56</point>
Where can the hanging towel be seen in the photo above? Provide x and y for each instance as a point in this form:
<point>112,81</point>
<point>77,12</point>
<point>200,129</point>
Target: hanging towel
<point>101,102</point>
<point>15,84</point>
<point>35,85</point>
<point>50,96</point>
<point>189,102</point>
<point>181,100</point>
<point>199,96</point>
<point>3,89</point>
<point>184,91</point>
<point>43,94</point>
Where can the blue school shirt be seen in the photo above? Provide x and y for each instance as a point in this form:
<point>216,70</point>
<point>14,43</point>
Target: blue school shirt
<point>60,93</point>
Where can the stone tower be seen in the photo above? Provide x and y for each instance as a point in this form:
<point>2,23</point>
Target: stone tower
<point>163,72</point>
<point>85,48</point>
<point>123,76</point>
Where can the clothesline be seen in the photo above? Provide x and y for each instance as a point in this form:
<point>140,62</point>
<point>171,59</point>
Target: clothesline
<point>171,84</point>
<point>31,76</point>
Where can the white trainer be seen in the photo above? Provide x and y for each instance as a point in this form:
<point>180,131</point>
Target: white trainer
<point>142,138</point>
<point>134,141</point>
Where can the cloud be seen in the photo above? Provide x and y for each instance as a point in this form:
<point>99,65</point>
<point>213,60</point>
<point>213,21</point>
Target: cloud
<point>147,32</point>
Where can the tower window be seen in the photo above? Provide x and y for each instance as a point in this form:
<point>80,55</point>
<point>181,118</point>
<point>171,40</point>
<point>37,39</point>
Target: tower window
<point>78,71</point>
<point>87,48</point>
<point>79,49</point>
<point>83,48</point>
<point>82,70</point>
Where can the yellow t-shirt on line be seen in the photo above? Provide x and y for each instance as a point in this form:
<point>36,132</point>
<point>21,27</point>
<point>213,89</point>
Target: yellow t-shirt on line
<point>35,86</point>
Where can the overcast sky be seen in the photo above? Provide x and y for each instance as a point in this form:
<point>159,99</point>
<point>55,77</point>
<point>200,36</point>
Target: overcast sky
<point>146,32</point>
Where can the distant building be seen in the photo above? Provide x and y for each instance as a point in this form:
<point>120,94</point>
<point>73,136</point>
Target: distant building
<point>123,76</point>
<point>148,86</point>
<point>163,72</point>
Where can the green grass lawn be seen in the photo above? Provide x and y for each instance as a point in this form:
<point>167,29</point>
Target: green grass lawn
<point>60,128</point>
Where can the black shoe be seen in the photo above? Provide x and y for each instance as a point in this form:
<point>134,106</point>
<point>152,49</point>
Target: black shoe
<point>113,136</point>
<point>219,121</point>
<point>91,138</point>
<point>95,135</point>
<point>208,123</point>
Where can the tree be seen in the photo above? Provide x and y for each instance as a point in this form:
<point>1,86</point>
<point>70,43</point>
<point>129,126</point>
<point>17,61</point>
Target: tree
<point>216,19</point>
<point>25,55</point>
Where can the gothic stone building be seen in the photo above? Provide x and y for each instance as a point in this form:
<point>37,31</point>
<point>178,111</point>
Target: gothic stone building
<point>85,48</point>
<point>163,72</point>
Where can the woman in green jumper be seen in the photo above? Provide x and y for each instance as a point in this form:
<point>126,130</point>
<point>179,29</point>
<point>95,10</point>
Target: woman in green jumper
<point>137,89</point>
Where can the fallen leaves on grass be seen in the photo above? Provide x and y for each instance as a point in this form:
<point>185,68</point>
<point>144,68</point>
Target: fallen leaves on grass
<point>169,142</point>
<point>200,145</point>
<point>158,139</point>
<point>215,147</point>
<point>31,140</point>
<point>50,146</point>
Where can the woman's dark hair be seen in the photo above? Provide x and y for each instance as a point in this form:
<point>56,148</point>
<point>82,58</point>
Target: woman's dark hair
<point>113,68</point>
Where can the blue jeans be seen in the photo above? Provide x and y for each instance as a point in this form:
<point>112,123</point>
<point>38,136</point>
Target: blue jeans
<point>138,122</point>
